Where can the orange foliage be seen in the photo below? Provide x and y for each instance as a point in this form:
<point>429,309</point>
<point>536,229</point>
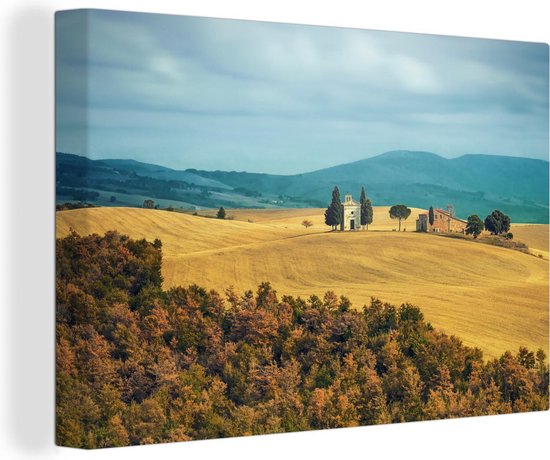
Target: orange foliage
<point>137,364</point>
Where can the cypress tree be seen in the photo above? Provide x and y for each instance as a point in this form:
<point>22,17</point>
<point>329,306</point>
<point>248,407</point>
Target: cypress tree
<point>363,202</point>
<point>370,213</point>
<point>431,216</point>
<point>333,214</point>
<point>366,209</point>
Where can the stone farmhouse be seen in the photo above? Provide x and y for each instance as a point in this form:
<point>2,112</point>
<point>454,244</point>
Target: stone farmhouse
<point>351,214</point>
<point>444,221</point>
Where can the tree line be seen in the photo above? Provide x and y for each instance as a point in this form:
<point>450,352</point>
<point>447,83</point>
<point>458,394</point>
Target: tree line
<point>497,223</point>
<point>138,364</point>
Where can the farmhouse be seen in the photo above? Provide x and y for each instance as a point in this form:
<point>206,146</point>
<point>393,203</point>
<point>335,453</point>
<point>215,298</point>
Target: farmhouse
<point>351,214</point>
<point>444,221</point>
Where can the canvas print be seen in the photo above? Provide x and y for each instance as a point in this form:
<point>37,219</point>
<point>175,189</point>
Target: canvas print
<point>266,228</point>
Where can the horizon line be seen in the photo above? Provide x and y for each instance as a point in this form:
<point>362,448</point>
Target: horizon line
<point>311,171</point>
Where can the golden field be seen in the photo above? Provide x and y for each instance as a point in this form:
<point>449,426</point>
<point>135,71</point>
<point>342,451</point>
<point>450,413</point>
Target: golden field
<point>491,297</point>
<point>293,218</point>
<point>534,236</point>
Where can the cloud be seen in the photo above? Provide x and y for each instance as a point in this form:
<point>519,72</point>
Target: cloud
<point>210,93</point>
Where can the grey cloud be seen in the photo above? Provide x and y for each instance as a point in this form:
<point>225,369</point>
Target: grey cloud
<point>222,94</point>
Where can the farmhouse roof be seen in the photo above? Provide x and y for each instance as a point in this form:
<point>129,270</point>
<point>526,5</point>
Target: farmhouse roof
<point>445,213</point>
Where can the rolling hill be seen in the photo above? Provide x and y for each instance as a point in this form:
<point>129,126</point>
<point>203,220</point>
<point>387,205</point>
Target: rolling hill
<point>474,184</point>
<point>491,297</point>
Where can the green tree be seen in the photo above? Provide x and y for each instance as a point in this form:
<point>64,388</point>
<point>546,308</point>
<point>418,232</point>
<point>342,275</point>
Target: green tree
<point>370,212</point>
<point>431,217</point>
<point>363,202</point>
<point>221,213</point>
<point>497,222</point>
<point>148,204</point>
<point>366,209</point>
<point>400,211</point>
<point>333,214</point>
<point>474,226</point>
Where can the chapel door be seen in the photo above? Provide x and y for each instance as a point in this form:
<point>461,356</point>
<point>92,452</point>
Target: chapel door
<point>352,224</point>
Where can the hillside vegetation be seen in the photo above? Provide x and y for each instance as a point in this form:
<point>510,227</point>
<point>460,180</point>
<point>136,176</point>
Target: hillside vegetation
<point>139,364</point>
<point>474,184</point>
<point>493,298</point>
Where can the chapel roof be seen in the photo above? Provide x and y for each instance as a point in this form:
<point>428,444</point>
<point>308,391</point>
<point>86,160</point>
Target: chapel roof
<point>350,203</point>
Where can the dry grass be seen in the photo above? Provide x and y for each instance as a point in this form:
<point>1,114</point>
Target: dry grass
<point>534,236</point>
<point>293,218</point>
<point>180,233</point>
<point>491,297</point>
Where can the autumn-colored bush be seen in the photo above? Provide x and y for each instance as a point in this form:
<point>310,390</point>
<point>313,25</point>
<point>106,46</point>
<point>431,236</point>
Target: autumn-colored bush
<point>138,364</point>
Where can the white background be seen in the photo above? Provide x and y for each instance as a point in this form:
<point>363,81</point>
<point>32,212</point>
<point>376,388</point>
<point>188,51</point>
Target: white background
<point>27,234</point>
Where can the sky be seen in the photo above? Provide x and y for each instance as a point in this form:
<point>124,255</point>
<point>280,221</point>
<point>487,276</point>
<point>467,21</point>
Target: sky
<point>217,94</point>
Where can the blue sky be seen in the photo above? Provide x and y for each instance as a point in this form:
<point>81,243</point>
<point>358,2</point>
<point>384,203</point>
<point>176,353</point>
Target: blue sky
<point>203,93</point>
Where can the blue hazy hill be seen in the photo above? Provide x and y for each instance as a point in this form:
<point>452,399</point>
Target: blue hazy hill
<point>474,184</point>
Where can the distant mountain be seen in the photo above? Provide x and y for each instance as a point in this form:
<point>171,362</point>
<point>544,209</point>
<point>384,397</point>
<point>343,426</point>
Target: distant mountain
<point>162,173</point>
<point>474,184</point>
<point>129,183</point>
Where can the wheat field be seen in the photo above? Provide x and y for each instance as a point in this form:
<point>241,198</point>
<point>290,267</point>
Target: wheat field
<point>293,218</point>
<point>534,236</point>
<point>493,298</point>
